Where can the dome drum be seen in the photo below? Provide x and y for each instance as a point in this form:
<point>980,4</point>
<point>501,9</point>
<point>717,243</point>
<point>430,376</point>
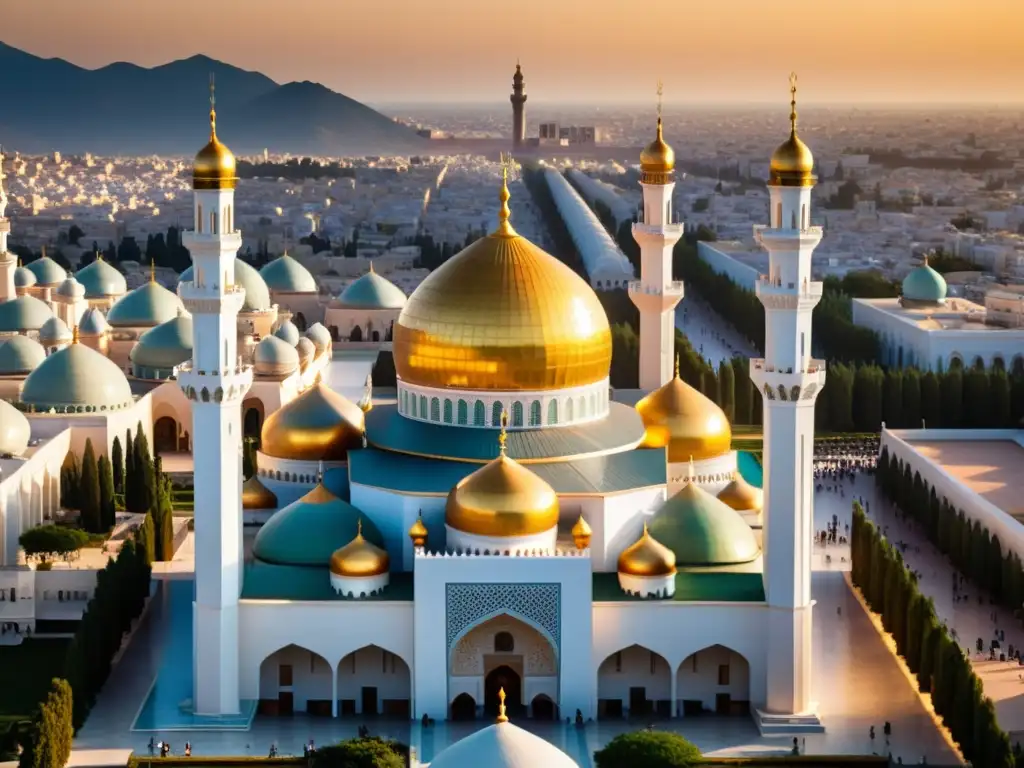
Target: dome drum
<point>461,541</point>
<point>359,586</point>
<point>653,587</point>
<point>300,472</point>
<point>712,474</point>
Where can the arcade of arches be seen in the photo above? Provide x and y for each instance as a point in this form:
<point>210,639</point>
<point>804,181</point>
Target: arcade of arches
<point>367,682</point>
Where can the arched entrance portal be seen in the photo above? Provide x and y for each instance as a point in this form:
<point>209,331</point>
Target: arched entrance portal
<point>634,682</point>
<point>463,708</point>
<point>165,435</point>
<point>714,680</point>
<point>507,679</point>
<point>543,708</point>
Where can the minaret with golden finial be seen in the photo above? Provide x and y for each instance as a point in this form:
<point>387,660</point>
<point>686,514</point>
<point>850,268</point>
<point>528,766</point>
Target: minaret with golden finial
<point>518,99</point>
<point>656,294</point>
<point>789,380</point>
<point>217,375</point>
<point>8,261</point>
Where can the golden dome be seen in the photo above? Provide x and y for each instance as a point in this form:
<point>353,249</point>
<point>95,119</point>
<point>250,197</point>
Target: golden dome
<point>503,315</point>
<point>502,498</point>
<point>318,425</point>
<point>214,166</point>
<point>681,418</point>
<point>418,533</point>
<point>792,164</point>
<point>359,558</point>
<point>255,495</point>
<point>647,557</point>
<point>581,533</point>
<point>657,160</point>
<point>742,496</point>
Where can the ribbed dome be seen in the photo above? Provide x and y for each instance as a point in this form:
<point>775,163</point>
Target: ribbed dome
<point>287,332</point>
<point>101,280</point>
<point>502,745</point>
<point>286,275</point>
<point>657,157</point>
<point>742,496</point>
<point>306,350</point>
<point>24,277</point>
<point>54,330</point>
<point>681,418</point>
<point>275,357</point>
<point>214,165</point>
<point>25,313</point>
<point>47,271</point>
<point>93,323</point>
<point>647,557</point>
<point>257,297</point>
<point>318,425</point>
<point>255,495</point>
<point>148,305</point>
<point>15,430</point>
<point>308,531</point>
<point>20,355</point>
<point>71,288</point>
<point>166,346</point>
<point>701,530</point>
<point>77,376</point>
<point>502,498</point>
<point>502,315</point>
<point>925,285</point>
<point>320,337</point>
<point>359,558</point>
<point>371,291</point>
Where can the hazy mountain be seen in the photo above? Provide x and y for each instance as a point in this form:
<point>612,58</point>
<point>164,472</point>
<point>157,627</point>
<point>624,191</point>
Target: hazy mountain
<point>48,104</point>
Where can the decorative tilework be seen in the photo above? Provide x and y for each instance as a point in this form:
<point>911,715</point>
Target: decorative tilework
<point>467,604</point>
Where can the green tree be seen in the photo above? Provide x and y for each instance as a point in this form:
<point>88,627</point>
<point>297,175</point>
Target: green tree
<point>89,493</point>
<point>867,398</point>
<point>47,542</point>
<point>131,478</point>
<point>727,390</point>
<point>117,462</point>
<point>952,398</point>
<point>147,538</point>
<point>999,390</point>
<point>143,466</point>
<point>977,399</point>
<point>911,398</point>
<point>366,752</point>
<point>931,400</point>
<point>70,481</point>
<point>108,507</point>
<point>651,749</point>
<point>48,742</point>
<point>893,413</point>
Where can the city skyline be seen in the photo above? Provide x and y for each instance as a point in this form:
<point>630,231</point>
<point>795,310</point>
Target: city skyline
<point>391,51</point>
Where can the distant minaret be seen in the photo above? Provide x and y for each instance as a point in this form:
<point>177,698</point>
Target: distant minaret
<point>8,261</point>
<point>518,99</point>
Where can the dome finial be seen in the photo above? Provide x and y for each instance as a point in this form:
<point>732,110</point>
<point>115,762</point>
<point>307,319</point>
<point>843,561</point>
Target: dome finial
<point>504,228</point>
<point>677,365</point>
<point>74,334</point>
<point>792,102</point>
<point>213,110</point>
<point>319,472</point>
<point>659,107</point>
<point>359,529</point>
<point>152,271</point>
<point>371,266</point>
<point>42,252</point>
<point>691,473</point>
<point>502,717</point>
<point>503,434</point>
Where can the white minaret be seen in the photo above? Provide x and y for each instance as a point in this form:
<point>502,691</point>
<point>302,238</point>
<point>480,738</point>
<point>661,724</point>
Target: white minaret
<point>789,380</point>
<point>215,382</point>
<point>8,261</point>
<point>656,293</point>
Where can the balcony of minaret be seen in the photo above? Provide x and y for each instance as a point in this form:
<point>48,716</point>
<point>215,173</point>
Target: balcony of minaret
<point>215,386</point>
<point>210,300</point>
<point>655,298</point>
<point>779,294</point>
<point>657,234</point>
<point>788,385</point>
<point>784,237</point>
<point>223,241</point>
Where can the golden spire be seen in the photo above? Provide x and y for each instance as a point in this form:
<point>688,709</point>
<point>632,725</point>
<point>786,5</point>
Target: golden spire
<point>371,266</point>
<point>503,434</point>
<point>792,102</point>
<point>659,107</point>
<point>152,271</point>
<point>42,252</point>
<point>359,529</point>
<point>319,472</point>
<point>74,334</point>
<point>677,365</point>
<point>213,110</point>
<point>418,532</point>
<point>502,717</point>
<point>504,212</point>
<point>691,472</point>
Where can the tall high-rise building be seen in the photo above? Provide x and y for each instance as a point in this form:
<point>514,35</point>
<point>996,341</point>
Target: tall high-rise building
<point>215,382</point>
<point>789,381</point>
<point>518,99</point>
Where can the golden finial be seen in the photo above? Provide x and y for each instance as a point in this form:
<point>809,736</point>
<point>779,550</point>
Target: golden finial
<point>42,252</point>
<point>74,334</point>
<point>503,434</point>
<point>646,534</point>
<point>659,103</point>
<point>320,472</point>
<point>152,271</point>
<point>502,717</point>
<point>359,528</point>
<point>99,254</point>
<point>692,471</point>
<point>677,365</point>
<point>213,111</point>
<point>504,212</point>
<point>371,266</point>
<point>792,102</point>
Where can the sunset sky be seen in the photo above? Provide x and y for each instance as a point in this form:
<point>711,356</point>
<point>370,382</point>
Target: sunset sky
<point>586,51</point>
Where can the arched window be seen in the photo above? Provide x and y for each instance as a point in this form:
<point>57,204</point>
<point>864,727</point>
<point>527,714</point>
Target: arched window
<point>479,414</point>
<point>447,411</point>
<point>423,406</point>
<point>199,218</point>
<point>435,409</point>
<point>582,407</point>
<point>213,222</point>
<point>793,220</point>
<point>504,642</point>
<point>535,413</point>
<point>553,412</point>
<point>568,410</point>
<point>463,412</point>
<point>413,400</point>
<point>593,405</point>
<point>517,414</point>
<point>496,410</point>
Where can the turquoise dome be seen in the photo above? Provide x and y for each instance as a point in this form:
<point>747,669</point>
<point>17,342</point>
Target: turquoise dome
<point>71,288</point>
<point>79,377</point>
<point>25,313</point>
<point>24,277</point>
<point>257,296</point>
<point>371,291</point>
<point>148,305</point>
<point>275,357</point>
<point>20,355</point>
<point>702,530</point>
<point>286,275</point>
<point>101,280</point>
<point>54,330</point>
<point>287,332</point>
<point>93,323</point>
<point>308,531</point>
<point>924,284</point>
<point>15,430</point>
<point>47,271</point>
<point>164,347</point>
<point>320,336</point>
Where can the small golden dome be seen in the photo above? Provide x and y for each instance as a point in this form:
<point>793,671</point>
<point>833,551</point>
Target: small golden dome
<point>657,160</point>
<point>792,164</point>
<point>359,558</point>
<point>581,533</point>
<point>255,495</point>
<point>502,498</point>
<point>318,425</point>
<point>681,418</point>
<point>503,315</point>
<point>418,533</point>
<point>647,557</point>
<point>214,166</point>
<point>742,496</point>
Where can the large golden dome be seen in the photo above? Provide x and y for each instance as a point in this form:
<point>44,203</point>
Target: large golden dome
<point>502,498</point>
<point>318,425</point>
<point>657,157</point>
<point>503,315</point>
<point>360,558</point>
<point>214,166</point>
<point>684,420</point>
<point>792,164</point>
<point>647,557</point>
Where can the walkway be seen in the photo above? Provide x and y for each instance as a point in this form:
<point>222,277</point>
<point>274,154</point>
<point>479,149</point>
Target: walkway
<point>712,337</point>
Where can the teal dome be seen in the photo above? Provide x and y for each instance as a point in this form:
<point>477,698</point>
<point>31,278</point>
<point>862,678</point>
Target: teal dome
<point>925,285</point>
<point>93,323</point>
<point>101,280</point>
<point>287,332</point>
<point>701,530</point>
<point>320,336</point>
<point>275,357</point>
<point>47,271</point>
<point>164,347</point>
<point>286,275</point>
<point>257,296</point>
<point>371,291</point>
<point>71,288</point>
<point>77,377</point>
<point>54,330</point>
<point>14,430</point>
<point>25,313</point>
<point>20,355</point>
<point>148,305</point>
<point>308,531</point>
<point>24,277</point>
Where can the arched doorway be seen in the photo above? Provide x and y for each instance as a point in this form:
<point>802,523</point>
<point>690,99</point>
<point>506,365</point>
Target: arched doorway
<point>252,419</point>
<point>295,679</point>
<point>634,682</point>
<point>714,680</point>
<point>356,334</point>
<point>300,321</point>
<point>165,435</point>
<point>463,708</point>
<point>375,335</point>
<point>374,682</point>
<point>507,679</point>
<point>543,708</point>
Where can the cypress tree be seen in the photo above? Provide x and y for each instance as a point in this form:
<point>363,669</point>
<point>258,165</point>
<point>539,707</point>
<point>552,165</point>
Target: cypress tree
<point>165,535</point>
<point>107,504</point>
<point>892,400</point>
<point>147,538</point>
<point>727,390</point>
<point>90,491</point>
<point>130,475</point>
<point>744,391</point>
<point>915,631</point>
<point>117,462</point>
<point>976,399</point>
<point>952,398</point>
<point>999,389</point>
<point>144,470</point>
<point>929,648</point>
<point>911,398</point>
<point>931,400</point>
